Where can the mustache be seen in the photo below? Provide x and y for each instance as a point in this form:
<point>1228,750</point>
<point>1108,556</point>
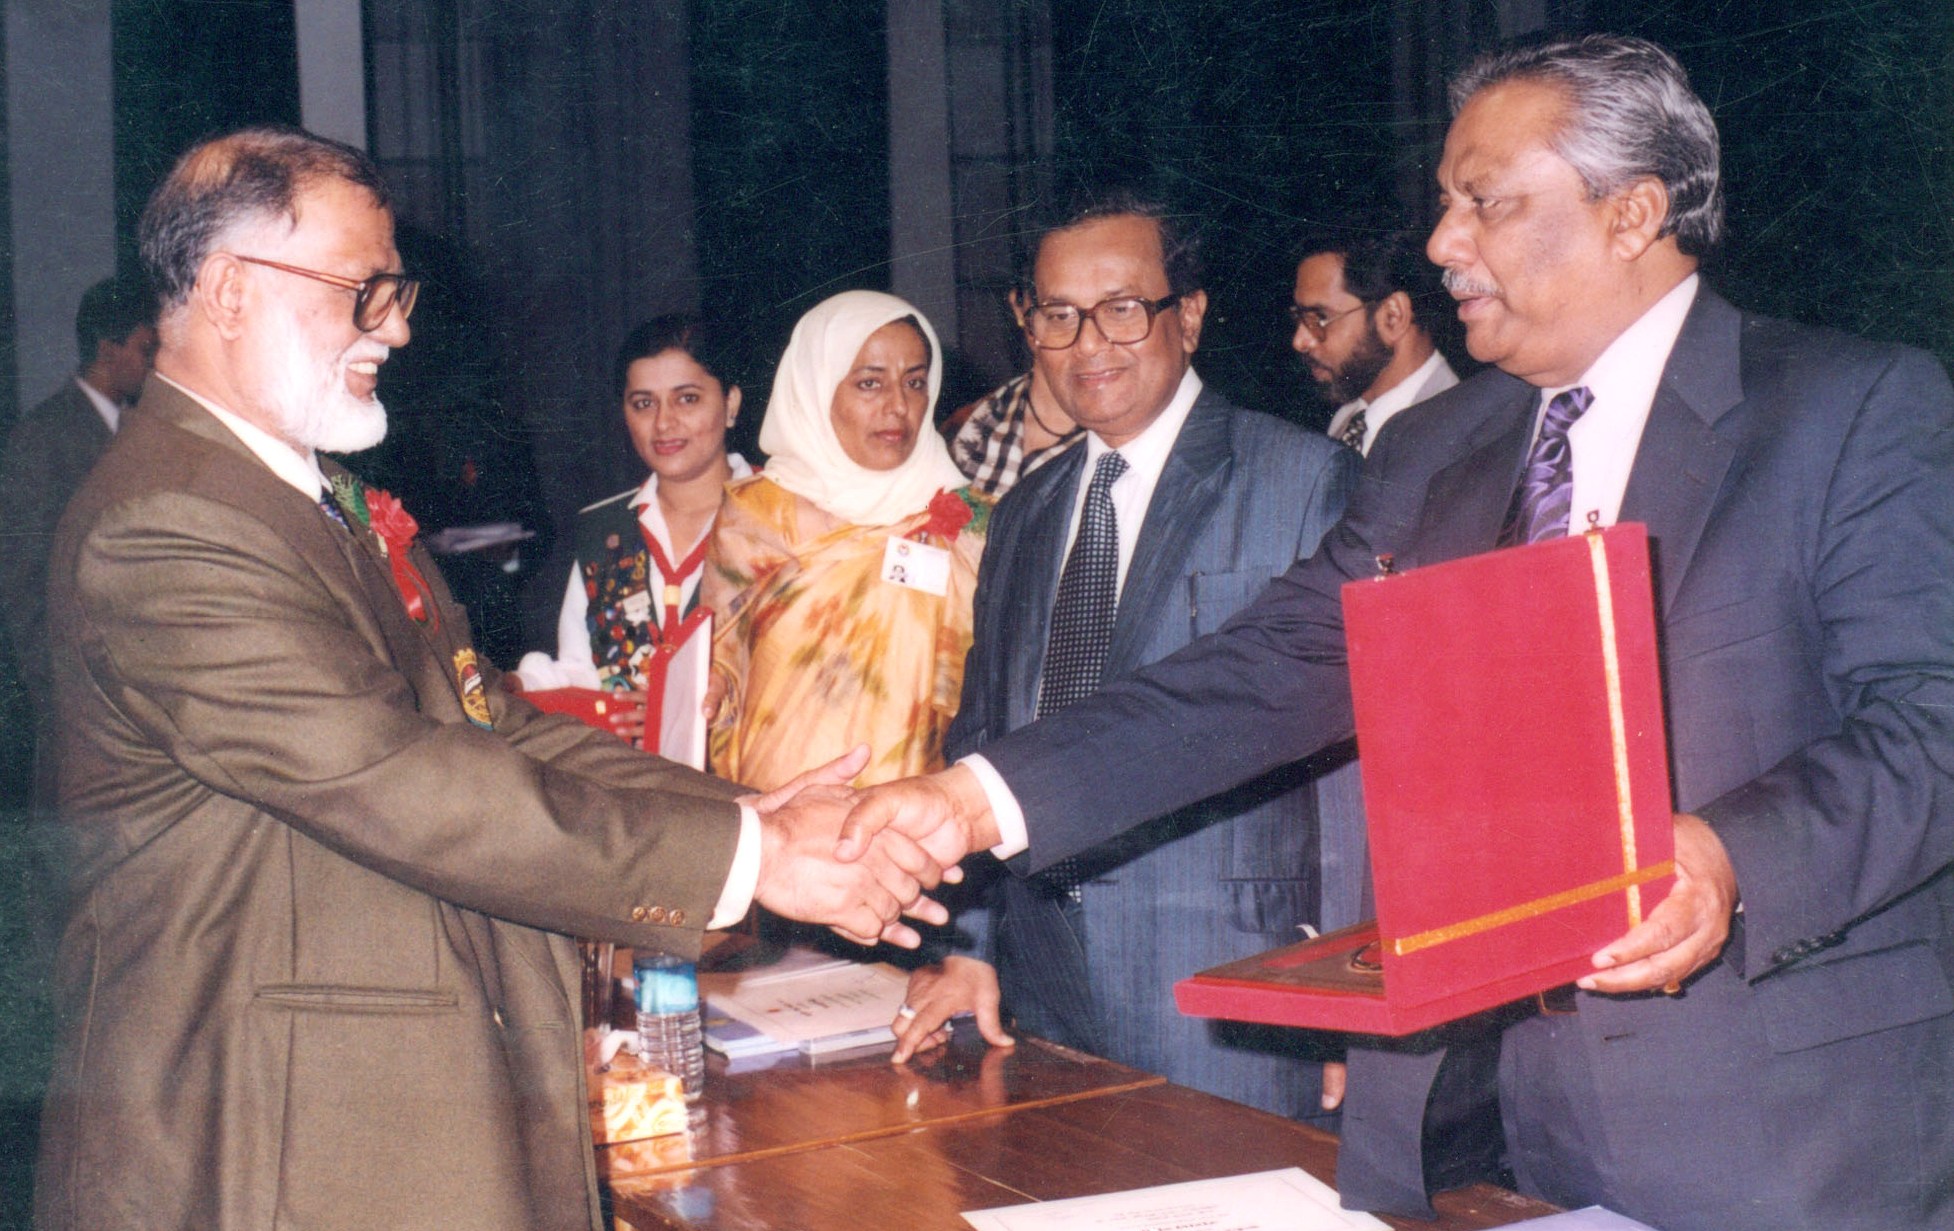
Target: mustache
<point>1460,286</point>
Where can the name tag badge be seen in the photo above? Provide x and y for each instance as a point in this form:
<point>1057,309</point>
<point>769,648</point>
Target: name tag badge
<point>637,607</point>
<point>918,566</point>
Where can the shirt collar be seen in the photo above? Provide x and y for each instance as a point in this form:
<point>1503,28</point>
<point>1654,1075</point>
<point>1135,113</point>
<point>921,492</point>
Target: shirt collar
<point>300,469</point>
<point>110,412</point>
<point>1627,373</point>
<point>1147,452</point>
<point>1401,395</point>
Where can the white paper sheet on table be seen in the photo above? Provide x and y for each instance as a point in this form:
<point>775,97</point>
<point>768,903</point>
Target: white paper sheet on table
<point>1287,1200</point>
<point>1592,1218</point>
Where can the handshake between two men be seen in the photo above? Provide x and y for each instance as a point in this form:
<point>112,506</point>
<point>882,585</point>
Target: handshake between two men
<point>833,855</point>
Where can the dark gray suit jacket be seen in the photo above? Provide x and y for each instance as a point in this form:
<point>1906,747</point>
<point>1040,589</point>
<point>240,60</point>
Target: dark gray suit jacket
<point>49,453</point>
<point>1242,497</point>
<point>1795,484</point>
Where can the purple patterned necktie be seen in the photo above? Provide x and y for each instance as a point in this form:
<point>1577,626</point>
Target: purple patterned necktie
<point>1546,492</point>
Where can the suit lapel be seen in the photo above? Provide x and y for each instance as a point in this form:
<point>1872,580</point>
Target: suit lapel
<point>1466,501</point>
<point>1183,501</point>
<point>1681,461</point>
<point>1035,585</point>
<point>350,562</point>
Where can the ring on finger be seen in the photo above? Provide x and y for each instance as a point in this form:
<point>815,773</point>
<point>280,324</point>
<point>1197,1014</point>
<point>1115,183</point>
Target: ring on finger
<point>905,1013</point>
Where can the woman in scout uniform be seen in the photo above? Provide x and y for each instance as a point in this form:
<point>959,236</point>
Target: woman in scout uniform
<point>843,577</point>
<point>635,584</point>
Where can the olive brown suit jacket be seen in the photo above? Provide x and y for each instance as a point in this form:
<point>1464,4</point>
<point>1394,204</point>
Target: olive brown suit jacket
<point>317,971</point>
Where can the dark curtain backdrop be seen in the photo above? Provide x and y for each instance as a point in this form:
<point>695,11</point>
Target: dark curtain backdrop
<point>790,156</point>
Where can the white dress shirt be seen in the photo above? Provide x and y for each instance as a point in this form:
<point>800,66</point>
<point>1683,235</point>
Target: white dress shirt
<point>1623,381</point>
<point>1406,392</point>
<point>104,405</point>
<point>1603,444</point>
<point>1146,456</point>
<point>301,470</point>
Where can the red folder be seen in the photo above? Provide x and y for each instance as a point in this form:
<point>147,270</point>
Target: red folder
<point>1516,788</point>
<point>592,706</point>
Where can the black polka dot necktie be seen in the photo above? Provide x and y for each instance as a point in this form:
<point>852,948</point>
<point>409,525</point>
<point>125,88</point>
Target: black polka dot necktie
<point>1082,618</point>
<point>1088,594</point>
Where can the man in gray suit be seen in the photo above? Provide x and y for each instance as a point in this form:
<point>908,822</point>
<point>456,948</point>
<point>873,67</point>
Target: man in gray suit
<point>52,450</point>
<point>1774,1045</point>
<point>317,970</point>
<point>1364,308</point>
<point>1207,502</point>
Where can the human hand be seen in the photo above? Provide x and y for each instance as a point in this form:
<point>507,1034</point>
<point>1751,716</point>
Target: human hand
<point>839,772</point>
<point>626,710</point>
<point>946,813</point>
<point>714,698</point>
<point>1686,931</point>
<point>937,994</point>
<point>1336,1081</point>
<point>863,900</point>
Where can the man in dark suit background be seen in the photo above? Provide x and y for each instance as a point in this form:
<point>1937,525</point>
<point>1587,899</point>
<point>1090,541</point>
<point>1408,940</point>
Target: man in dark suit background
<point>324,870</point>
<point>52,449</point>
<point>1210,502</point>
<point>1364,306</point>
<point>1794,484</point>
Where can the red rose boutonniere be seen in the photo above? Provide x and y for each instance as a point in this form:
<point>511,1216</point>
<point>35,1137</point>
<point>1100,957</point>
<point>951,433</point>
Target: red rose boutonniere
<point>381,512</point>
<point>951,512</point>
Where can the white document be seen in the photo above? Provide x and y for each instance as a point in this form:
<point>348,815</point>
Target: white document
<point>1286,1200</point>
<point>1593,1218</point>
<point>681,724</point>
<point>814,1004</point>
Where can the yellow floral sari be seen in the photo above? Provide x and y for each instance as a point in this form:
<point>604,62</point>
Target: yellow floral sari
<point>817,652</point>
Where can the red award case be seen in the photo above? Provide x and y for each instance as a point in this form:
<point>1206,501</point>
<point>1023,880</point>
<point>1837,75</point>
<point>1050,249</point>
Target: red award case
<point>1516,789</point>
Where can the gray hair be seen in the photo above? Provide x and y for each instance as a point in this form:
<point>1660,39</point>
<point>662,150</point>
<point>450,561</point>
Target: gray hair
<point>1631,114</point>
<point>250,175</point>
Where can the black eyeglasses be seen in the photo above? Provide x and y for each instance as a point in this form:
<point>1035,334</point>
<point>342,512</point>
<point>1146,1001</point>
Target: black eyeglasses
<point>1317,321</point>
<point>372,299</point>
<point>1126,320</point>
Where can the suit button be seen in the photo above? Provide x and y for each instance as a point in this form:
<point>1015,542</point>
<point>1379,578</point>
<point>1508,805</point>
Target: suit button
<point>677,918</point>
<point>655,915</point>
<point>638,914</point>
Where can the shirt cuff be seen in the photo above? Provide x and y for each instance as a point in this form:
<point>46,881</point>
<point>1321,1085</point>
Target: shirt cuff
<point>1013,837</point>
<point>744,876</point>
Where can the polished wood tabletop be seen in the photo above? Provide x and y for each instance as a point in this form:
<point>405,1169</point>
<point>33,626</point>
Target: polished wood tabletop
<point>863,1143</point>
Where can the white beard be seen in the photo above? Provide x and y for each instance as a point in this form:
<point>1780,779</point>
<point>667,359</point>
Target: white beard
<point>307,395</point>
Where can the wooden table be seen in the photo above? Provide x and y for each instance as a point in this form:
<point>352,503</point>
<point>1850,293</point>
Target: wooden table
<point>862,1143</point>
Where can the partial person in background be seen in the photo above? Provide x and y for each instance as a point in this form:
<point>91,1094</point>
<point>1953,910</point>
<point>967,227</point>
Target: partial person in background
<point>843,576</point>
<point>1012,430</point>
<point>1175,513</point>
<point>51,451</point>
<point>1364,310</point>
<point>641,553</point>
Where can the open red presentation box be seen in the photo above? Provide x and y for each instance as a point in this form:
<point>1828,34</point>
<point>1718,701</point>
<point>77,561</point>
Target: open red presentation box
<point>1516,788</point>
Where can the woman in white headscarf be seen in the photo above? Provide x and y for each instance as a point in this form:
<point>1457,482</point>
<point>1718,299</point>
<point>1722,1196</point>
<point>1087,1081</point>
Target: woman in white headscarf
<point>843,575</point>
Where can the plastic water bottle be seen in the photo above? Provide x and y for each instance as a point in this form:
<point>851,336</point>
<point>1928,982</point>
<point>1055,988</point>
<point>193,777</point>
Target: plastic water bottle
<point>668,1018</point>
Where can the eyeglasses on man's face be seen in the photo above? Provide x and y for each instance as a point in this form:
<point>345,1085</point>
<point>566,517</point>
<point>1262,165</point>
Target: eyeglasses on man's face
<point>372,298</point>
<point>1317,321</point>
<point>1124,320</point>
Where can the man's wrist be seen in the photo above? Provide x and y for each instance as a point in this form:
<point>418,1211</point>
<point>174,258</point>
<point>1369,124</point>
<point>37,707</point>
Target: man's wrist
<point>1007,818</point>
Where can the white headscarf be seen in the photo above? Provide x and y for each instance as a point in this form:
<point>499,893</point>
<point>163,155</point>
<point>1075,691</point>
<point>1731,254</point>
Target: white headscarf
<point>803,453</point>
